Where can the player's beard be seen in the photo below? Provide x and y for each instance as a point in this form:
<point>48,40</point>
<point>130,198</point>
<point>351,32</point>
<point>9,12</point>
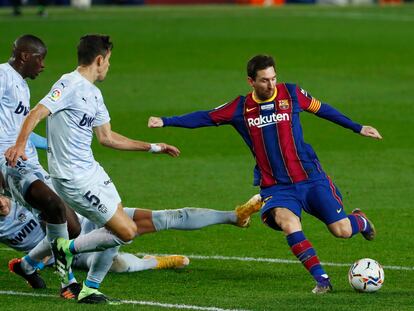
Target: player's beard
<point>266,94</point>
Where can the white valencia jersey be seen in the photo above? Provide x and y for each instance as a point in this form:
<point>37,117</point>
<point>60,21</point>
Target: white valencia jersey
<point>14,107</point>
<point>21,230</point>
<point>76,107</point>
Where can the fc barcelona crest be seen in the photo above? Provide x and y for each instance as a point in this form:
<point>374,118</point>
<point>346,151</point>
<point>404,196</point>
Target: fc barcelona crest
<point>284,104</point>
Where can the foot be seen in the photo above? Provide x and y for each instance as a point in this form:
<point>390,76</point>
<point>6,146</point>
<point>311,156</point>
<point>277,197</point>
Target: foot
<point>323,286</point>
<point>370,234</point>
<point>243,212</point>
<point>34,279</point>
<point>71,291</point>
<point>170,262</point>
<point>63,258</point>
<point>93,296</point>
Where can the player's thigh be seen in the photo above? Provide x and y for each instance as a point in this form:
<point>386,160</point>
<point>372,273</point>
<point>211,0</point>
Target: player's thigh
<point>324,201</point>
<point>281,208</point>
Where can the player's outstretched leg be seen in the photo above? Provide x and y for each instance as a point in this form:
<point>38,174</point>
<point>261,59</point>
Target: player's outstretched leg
<point>189,218</point>
<point>361,223</point>
<point>169,262</point>
<point>244,211</point>
<point>33,279</point>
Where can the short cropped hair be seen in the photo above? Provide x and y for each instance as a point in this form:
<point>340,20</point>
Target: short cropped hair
<point>259,62</point>
<point>90,46</point>
<point>28,43</point>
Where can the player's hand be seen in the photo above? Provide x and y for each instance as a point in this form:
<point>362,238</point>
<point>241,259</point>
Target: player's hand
<point>13,154</point>
<point>369,131</point>
<point>155,122</point>
<point>168,149</point>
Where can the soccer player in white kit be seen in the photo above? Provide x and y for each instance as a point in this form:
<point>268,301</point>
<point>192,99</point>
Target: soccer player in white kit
<point>75,110</point>
<point>22,230</point>
<point>27,182</point>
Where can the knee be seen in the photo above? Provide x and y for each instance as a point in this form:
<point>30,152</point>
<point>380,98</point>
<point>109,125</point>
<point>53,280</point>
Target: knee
<point>287,221</point>
<point>128,233</point>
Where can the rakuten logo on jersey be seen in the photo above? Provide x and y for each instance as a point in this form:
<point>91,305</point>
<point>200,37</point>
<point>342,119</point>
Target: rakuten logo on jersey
<point>263,121</point>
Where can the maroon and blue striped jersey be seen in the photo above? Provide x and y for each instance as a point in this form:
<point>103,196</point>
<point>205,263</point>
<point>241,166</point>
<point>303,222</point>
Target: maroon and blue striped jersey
<point>272,130</point>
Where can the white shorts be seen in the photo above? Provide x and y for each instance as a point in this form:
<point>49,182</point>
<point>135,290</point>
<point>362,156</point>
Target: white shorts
<point>95,197</point>
<point>19,178</point>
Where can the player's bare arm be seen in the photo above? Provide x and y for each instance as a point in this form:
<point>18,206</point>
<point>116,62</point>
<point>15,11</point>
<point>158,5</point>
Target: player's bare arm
<point>370,131</point>
<point>155,122</point>
<point>111,139</point>
<point>15,152</point>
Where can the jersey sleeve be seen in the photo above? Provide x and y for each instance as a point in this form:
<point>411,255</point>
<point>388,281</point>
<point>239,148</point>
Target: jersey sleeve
<point>218,116</point>
<point>306,101</point>
<point>38,141</point>
<point>329,113</point>
<point>325,111</point>
<point>102,115</point>
<point>56,99</point>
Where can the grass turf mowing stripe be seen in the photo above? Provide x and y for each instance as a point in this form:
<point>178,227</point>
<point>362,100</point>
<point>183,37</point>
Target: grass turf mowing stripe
<point>133,302</point>
<point>272,260</point>
<point>275,260</point>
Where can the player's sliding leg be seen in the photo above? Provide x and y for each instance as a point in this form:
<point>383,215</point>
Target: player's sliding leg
<point>285,220</point>
<point>184,219</point>
<point>125,262</point>
<point>192,218</point>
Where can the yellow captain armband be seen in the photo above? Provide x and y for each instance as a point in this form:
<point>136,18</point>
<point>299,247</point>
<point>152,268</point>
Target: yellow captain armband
<point>314,106</point>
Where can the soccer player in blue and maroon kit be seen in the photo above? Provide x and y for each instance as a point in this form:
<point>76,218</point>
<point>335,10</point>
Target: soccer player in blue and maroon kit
<point>287,169</point>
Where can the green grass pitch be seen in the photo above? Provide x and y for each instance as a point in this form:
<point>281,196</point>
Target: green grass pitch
<point>173,60</point>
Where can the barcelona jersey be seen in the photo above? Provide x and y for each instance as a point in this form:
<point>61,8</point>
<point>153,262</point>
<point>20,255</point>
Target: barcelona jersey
<point>272,131</point>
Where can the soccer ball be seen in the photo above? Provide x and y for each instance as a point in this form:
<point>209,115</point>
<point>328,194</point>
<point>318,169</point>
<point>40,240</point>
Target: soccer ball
<point>366,275</point>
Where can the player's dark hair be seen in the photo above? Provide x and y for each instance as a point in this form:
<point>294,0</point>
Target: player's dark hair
<point>28,43</point>
<point>90,46</point>
<point>259,62</point>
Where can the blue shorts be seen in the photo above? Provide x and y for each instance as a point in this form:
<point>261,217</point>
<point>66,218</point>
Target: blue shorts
<point>320,198</point>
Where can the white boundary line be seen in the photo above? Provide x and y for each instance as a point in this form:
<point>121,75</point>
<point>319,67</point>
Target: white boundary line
<point>252,259</point>
<point>133,302</point>
<point>276,260</point>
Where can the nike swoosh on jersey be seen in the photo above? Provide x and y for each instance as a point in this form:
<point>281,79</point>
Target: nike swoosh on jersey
<point>339,210</point>
<point>251,109</point>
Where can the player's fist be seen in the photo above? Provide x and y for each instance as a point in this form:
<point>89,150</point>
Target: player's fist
<point>369,131</point>
<point>13,154</point>
<point>155,122</point>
